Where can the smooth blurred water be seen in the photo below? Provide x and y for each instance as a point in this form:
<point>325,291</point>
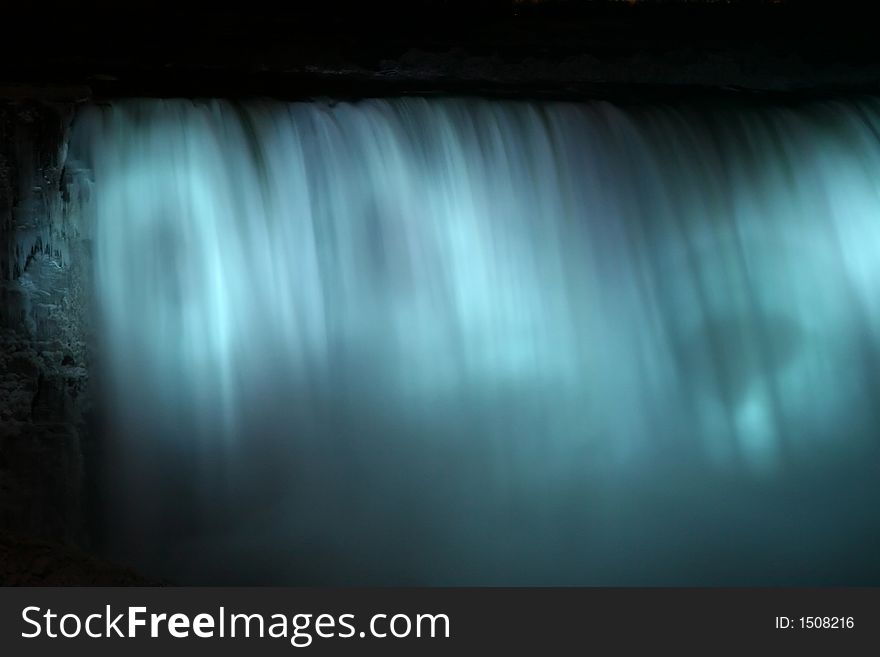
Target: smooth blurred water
<point>471,341</point>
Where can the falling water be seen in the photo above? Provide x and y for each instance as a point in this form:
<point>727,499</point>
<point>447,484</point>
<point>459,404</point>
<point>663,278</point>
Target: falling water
<point>466,341</point>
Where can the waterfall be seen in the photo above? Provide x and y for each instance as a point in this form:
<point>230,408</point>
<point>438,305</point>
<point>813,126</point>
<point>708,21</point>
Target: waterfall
<point>456,340</point>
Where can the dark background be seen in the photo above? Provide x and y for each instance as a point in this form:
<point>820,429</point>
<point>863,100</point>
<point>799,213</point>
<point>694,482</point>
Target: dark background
<point>316,47</point>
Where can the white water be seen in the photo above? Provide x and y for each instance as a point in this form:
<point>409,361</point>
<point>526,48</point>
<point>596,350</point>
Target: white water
<point>430,320</point>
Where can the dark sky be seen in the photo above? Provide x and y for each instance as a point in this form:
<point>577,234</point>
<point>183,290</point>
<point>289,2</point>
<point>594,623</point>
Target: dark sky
<point>63,41</point>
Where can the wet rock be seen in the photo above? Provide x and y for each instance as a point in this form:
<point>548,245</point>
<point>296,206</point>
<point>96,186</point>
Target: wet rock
<point>28,561</point>
<point>43,362</point>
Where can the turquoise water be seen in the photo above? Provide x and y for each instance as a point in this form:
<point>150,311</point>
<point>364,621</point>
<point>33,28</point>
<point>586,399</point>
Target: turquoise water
<point>471,341</point>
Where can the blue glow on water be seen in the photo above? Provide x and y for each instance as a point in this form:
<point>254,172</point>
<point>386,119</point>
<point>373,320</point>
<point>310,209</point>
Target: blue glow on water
<point>490,331</point>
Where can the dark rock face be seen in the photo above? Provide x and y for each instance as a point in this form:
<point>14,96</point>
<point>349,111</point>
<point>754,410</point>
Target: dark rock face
<point>43,327</point>
<point>33,562</point>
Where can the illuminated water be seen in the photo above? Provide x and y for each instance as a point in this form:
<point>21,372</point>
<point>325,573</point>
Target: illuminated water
<point>461,341</point>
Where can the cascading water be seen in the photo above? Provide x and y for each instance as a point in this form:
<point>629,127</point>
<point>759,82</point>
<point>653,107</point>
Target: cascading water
<point>464,341</point>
